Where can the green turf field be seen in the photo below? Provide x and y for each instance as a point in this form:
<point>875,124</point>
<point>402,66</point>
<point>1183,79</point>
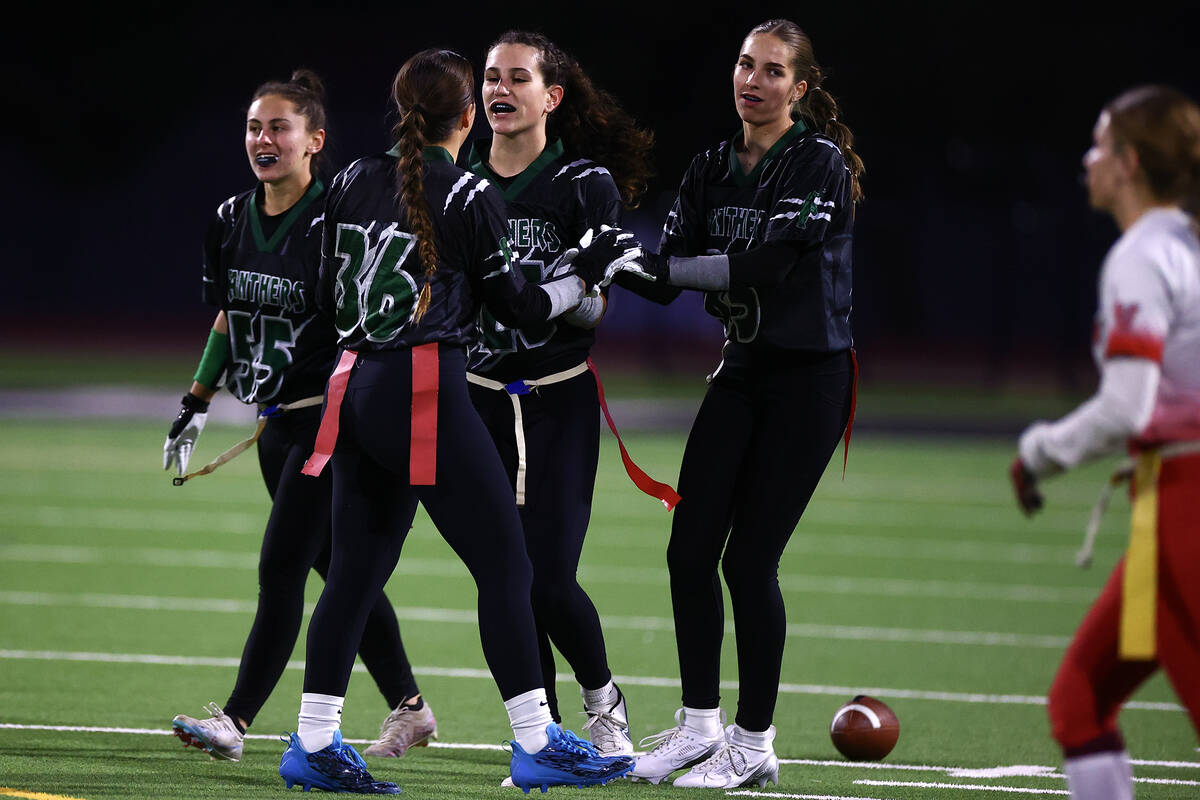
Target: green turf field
<point>126,601</point>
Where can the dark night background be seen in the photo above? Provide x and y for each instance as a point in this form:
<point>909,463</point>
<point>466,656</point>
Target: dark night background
<point>976,254</point>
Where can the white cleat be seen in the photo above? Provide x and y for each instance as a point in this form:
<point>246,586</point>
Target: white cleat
<point>609,730</point>
<point>674,749</point>
<point>404,728</point>
<point>735,764</point>
<point>215,735</point>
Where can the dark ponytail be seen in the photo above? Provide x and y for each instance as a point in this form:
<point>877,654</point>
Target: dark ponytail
<point>817,108</point>
<point>590,121</point>
<point>431,92</point>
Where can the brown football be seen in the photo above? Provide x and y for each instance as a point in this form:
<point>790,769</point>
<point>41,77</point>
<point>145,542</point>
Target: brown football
<point>864,729</point>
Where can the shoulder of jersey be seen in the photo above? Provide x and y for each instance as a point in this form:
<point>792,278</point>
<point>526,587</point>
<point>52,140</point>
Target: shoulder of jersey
<point>816,146</point>
<point>1154,238</point>
<point>231,207</point>
<point>372,164</point>
<point>465,188</point>
<point>578,169</point>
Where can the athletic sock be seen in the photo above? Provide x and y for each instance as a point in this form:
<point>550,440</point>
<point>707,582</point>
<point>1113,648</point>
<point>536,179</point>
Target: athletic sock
<point>1100,776</point>
<point>755,740</point>
<point>320,718</point>
<point>529,714</point>
<point>602,699</point>
<point>417,706</point>
<point>704,721</point>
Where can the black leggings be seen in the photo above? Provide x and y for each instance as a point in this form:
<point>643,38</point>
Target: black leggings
<point>561,423</point>
<point>761,441</point>
<point>374,505</point>
<point>297,538</point>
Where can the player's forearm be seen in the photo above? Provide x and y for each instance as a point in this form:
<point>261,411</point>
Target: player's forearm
<point>1119,410</point>
<point>212,362</point>
<point>588,313</point>
<point>761,267</point>
<point>533,302</point>
<point>654,291</point>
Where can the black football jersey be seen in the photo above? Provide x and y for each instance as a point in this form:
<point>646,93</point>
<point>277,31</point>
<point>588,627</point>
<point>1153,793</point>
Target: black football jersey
<point>799,192</point>
<point>262,272</point>
<point>550,205</point>
<point>371,274</point>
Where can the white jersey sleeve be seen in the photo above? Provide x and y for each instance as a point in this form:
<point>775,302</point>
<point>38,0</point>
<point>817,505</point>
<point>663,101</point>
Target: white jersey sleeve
<point>1147,346</point>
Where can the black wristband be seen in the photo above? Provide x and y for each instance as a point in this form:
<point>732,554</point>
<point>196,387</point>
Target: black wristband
<point>195,404</point>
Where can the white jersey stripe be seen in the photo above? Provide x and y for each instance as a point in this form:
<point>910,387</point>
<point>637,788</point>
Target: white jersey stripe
<point>463,181</point>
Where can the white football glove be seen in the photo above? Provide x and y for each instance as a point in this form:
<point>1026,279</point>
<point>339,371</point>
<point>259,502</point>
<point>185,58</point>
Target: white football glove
<point>181,439</point>
<point>561,266</point>
<point>603,254</point>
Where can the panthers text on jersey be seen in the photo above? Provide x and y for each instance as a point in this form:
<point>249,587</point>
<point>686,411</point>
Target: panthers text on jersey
<point>550,204</point>
<point>798,193</point>
<point>261,271</point>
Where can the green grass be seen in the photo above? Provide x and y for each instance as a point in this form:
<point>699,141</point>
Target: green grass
<point>893,581</point>
<point>878,401</point>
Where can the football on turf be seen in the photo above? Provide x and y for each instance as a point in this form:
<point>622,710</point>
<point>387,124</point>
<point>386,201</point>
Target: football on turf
<point>864,729</point>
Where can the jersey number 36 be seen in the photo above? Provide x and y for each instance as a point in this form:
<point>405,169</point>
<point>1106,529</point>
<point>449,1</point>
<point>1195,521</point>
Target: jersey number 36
<point>373,292</point>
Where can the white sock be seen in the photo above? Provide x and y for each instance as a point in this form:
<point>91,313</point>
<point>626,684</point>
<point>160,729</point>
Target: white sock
<point>529,714</point>
<point>704,721</point>
<point>755,740</point>
<point>601,699</point>
<point>320,718</point>
<point>1100,776</point>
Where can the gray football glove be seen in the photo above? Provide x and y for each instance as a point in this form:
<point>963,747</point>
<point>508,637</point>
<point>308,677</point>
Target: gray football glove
<point>181,439</point>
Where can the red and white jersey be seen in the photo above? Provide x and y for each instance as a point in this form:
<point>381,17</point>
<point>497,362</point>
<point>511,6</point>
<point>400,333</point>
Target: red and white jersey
<point>1150,309</point>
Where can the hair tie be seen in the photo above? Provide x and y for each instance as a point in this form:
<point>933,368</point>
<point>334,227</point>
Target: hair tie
<point>416,107</point>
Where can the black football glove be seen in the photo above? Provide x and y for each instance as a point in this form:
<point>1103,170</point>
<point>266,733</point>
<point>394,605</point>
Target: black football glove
<point>177,450</point>
<point>1025,486</point>
<point>602,254</point>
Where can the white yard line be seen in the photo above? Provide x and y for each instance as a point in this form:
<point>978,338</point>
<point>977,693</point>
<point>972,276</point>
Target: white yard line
<point>873,547</point>
<point>132,519</point>
<point>1000,771</point>
<point>447,567</point>
<point>965,786</point>
<point>632,680</point>
<point>753,793</point>
<point>1024,770</point>
<point>469,617</point>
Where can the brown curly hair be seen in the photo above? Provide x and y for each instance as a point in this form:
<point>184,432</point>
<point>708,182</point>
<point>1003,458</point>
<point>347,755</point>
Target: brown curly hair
<point>590,121</point>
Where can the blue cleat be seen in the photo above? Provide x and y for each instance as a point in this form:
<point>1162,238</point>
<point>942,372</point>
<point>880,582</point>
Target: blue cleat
<point>566,760</point>
<point>337,768</point>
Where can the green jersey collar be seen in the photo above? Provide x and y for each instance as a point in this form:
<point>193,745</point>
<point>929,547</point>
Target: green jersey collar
<point>478,164</point>
<point>265,245</point>
<point>735,165</point>
<point>428,153</point>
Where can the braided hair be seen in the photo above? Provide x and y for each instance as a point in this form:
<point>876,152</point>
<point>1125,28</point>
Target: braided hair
<point>431,92</point>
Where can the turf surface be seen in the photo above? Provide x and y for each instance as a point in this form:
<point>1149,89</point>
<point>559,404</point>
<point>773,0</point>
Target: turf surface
<point>127,600</point>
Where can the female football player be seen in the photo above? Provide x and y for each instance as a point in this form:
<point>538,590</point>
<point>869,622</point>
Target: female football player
<point>412,244</point>
<point>1143,169</point>
<point>277,349</point>
<point>762,224</point>
<point>565,157</point>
